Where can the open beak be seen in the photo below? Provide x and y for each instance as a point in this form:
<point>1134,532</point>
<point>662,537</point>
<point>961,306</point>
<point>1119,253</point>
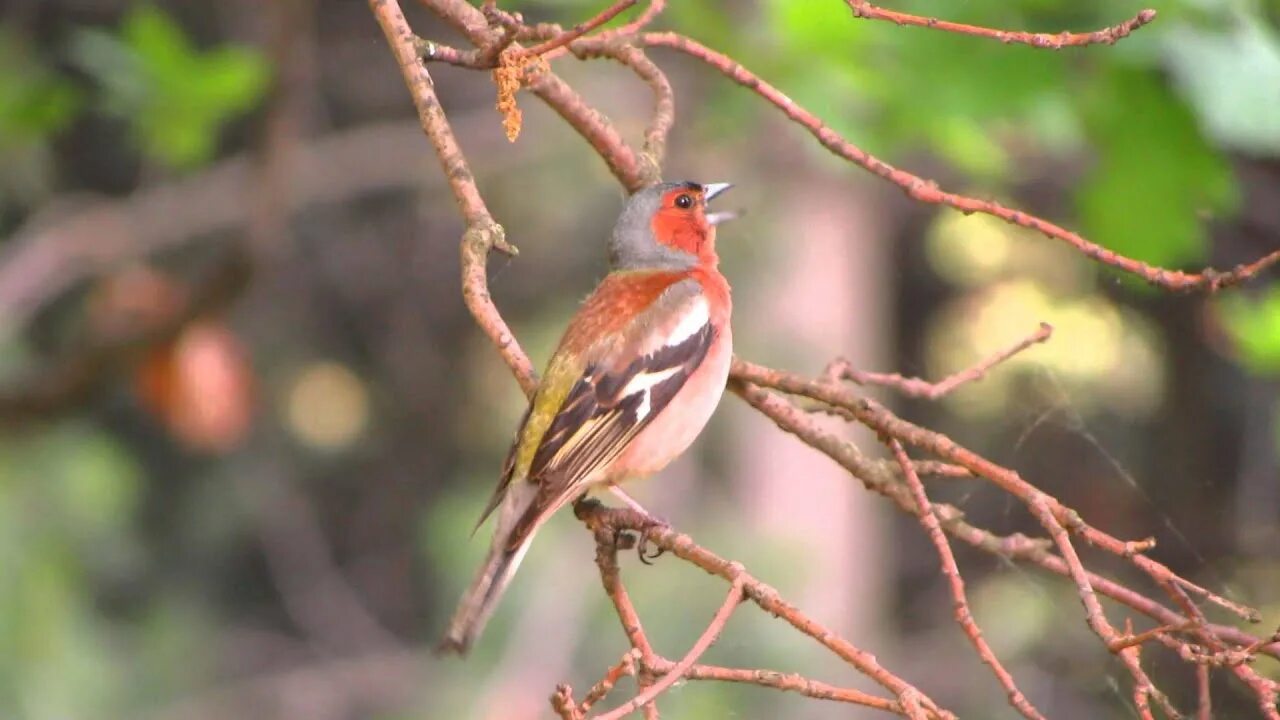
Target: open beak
<point>710,191</point>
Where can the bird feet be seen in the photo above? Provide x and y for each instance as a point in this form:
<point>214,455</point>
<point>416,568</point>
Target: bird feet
<point>624,528</point>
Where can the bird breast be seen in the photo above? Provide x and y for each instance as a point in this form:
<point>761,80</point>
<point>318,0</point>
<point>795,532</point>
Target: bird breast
<point>674,430</point>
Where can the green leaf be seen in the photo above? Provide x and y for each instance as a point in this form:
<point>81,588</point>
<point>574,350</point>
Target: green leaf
<point>35,102</point>
<point>1155,179</point>
<point>1254,326</point>
<point>1232,79</point>
<point>175,97</point>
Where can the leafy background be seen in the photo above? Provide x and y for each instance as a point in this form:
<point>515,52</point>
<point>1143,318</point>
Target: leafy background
<point>303,567</point>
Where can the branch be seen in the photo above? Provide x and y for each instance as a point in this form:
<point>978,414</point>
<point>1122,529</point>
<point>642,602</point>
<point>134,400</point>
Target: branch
<point>483,233</point>
<point>664,109</point>
<point>651,13</point>
<point>592,125</point>
<point>1105,36</point>
<point>581,28</point>
<point>879,419</point>
<point>841,369</point>
<point>963,615</point>
<point>493,33</point>
<point>608,523</point>
<point>927,191</point>
<point>677,671</point>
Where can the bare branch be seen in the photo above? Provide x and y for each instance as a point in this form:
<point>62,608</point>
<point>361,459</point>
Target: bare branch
<point>591,124</point>
<point>607,523</point>
<point>483,233</point>
<point>841,369</point>
<point>581,28</point>
<point>495,35</point>
<point>714,628</point>
<point>963,615</point>
<point>1051,41</point>
<point>927,191</point>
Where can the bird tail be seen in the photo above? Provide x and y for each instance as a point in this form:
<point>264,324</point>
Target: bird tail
<point>511,539</point>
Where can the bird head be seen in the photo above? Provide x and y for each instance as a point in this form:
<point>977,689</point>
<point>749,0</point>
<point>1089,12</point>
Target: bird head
<point>667,226</point>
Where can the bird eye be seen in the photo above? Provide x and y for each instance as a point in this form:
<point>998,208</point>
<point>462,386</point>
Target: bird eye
<point>684,202</point>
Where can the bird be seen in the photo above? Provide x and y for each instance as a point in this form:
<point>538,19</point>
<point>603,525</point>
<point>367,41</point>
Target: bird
<point>638,373</point>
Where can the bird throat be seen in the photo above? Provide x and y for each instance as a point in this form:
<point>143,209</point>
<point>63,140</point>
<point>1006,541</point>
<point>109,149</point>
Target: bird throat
<point>680,231</point>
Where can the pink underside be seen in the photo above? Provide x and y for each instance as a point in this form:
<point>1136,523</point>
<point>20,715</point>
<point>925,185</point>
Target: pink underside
<point>676,427</point>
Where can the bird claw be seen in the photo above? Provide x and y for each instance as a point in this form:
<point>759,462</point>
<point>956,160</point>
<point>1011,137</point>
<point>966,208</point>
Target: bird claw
<point>625,527</point>
<point>642,550</point>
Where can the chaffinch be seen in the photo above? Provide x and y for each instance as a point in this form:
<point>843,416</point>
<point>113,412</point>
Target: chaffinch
<point>635,378</point>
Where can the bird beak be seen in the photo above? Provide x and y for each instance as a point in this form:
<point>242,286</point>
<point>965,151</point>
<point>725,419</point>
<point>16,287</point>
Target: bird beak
<point>710,191</point>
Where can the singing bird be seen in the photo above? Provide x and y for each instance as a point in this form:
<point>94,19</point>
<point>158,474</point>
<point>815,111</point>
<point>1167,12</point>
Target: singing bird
<point>635,378</point>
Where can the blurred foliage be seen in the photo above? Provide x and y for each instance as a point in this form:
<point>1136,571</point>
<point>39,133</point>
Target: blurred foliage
<point>36,103</point>
<point>69,499</point>
<point>1155,178</point>
<point>174,96</point>
<point>1151,124</point>
<point>1254,325</point>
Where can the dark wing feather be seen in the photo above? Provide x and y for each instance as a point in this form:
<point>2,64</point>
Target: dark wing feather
<point>600,416</point>
<point>508,466</point>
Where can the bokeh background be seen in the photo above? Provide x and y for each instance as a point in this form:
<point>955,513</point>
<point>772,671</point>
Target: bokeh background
<point>247,422</point>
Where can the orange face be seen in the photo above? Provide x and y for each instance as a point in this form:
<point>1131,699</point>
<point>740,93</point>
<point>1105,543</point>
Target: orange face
<point>681,221</point>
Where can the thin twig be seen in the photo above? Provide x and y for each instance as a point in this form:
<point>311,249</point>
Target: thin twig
<point>792,682</point>
<point>1016,547</point>
<point>650,13</point>
<point>1094,615</point>
<point>625,164</point>
<point>581,28</point>
<point>960,603</point>
<point>927,191</point>
<point>606,522</point>
<point>1204,703</point>
<point>483,233</point>
<point>879,419</point>
<point>915,387</point>
<point>1051,41</point>
<point>704,642</point>
<point>664,109</point>
<point>626,666</point>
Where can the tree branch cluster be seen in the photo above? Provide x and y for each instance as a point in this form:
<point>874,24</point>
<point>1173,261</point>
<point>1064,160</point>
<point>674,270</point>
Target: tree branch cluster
<point>1173,606</point>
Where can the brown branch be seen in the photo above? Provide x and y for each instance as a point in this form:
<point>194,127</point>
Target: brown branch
<point>483,233</point>
<point>607,562</point>
<point>1204,704</point>
<point>791,682</point>
<point>651,13</point>
<point>627,666</point>
<point>879,419</point>
<point>841,369</point>
<point>963,615</point>
<point>664,107</point>
<point>792,419</point>
<point>1051,41</point>
<point>700,647</point>
<point>625,164</point>
<point>491,31</point>
<point>927,191</point>
<point>606,523</point>
<point>1041,507</point>
<point>581,28</point>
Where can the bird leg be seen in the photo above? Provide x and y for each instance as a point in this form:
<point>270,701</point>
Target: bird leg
<point>641,547</point>
<point>628,500</point>
<point>619,522</point>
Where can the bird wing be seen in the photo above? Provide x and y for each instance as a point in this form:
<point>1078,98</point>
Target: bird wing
<point>623,381</point>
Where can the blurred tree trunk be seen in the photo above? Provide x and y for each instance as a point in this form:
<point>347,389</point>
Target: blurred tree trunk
<point>826,296</point>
